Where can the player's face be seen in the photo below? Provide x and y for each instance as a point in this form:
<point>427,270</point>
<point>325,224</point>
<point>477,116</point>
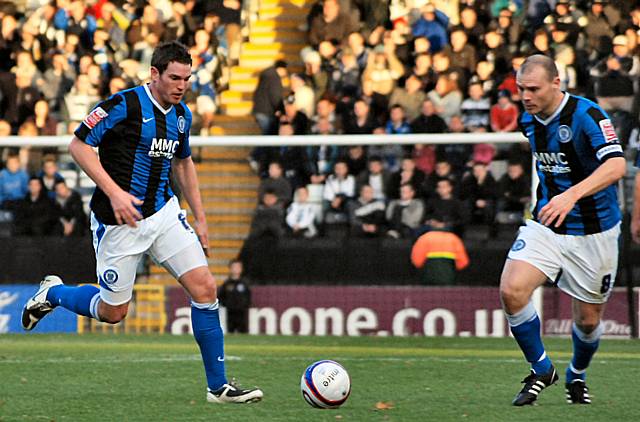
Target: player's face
<point>171,85</point>
<point>538,93</point>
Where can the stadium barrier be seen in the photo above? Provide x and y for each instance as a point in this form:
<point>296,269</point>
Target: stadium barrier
<point>331,311</point>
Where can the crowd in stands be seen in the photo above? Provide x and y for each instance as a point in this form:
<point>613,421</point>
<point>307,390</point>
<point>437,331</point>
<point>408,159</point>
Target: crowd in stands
<point>432,66</point>
<point>382,67</point>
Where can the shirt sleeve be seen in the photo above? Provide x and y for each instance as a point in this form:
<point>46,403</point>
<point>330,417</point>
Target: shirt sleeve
<point>602,135</point>
<point>103,117</point>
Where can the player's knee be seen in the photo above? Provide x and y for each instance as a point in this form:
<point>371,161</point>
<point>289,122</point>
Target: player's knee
<point>113,314</point>
<point>205,290</point>
<point>587,326</point>
<point>512,297</point>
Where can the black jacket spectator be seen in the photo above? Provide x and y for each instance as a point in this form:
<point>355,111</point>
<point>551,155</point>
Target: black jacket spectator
<point>36,214</point>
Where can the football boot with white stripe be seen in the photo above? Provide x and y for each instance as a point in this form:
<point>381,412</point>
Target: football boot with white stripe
<point>533,385</point>
<point>577,392</point>
<point>37,307</point>
<point>229,393</point>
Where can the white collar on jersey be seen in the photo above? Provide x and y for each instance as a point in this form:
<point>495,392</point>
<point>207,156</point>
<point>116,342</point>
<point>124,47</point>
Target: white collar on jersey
<point>153,100</point>
<point>555,113</point>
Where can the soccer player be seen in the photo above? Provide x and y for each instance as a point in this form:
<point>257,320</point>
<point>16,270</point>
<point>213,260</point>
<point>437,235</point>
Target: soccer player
<point>143,135</point>
<point>572,239</point>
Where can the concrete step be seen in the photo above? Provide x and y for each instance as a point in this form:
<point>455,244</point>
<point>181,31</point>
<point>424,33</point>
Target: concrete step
<point>286,3</point>
<point>233,243</point>
<point>233,167</point>
<point>283,12</point>
<point>230,96</point>
<point>231,218</point>
<point>248,85</point>
<point>280,36</point>
<point>240,108</point>
<point>225,153</point>
<point>226,121</point>
<point>212,179</point>
<point>229,193</point>
<point>262,62</point>
<point>261,49</point>
<point>221,131</point>
<point>270,24</point>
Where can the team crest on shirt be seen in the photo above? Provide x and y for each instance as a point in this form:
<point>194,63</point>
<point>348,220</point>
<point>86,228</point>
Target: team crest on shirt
<point>518,245</point>
<point>564,134</point>
<point>608,131</point>
<point>110,276</point>
<point>181,124</point>
<point>95,117</point>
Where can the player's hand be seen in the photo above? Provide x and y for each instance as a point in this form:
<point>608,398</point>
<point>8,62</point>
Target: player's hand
<point>557,209</point>
<point>202,231</point>
<point>635,229</point>
<point>123,204</point>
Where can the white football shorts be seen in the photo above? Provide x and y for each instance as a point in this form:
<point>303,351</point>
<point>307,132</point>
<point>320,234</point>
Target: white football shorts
<point>119,250</point>
<point>584,267</point>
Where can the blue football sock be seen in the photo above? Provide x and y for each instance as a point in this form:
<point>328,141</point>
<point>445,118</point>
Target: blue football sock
<point>525,326</point>
<point>208,334</point>
<point>584,347</point>
<point>83,300</point>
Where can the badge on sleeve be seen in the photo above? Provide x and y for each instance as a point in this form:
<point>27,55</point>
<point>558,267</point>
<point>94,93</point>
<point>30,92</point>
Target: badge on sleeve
<point>608,131</point>
<point>95,117</point>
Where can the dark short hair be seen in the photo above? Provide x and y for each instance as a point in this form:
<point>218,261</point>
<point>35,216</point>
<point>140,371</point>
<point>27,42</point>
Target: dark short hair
<point>172,51</point>
<point>280,63</point>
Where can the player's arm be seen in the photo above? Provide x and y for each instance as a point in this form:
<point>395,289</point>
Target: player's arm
<point>123,203</point>
<point>185,172</point>
<point>635,216</point>
<point>605,175</point>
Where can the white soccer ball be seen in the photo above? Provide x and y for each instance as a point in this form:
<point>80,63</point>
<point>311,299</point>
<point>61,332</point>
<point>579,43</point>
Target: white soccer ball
<point>325,384</point>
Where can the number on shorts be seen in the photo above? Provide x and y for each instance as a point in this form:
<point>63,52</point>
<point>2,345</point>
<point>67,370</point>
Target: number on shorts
<point>606,284</point>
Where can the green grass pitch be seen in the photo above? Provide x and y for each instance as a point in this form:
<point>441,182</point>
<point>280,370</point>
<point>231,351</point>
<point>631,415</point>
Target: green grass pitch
<point>160,378</point>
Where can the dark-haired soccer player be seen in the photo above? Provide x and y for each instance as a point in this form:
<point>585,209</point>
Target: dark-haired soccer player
<point>143,135</point>
<point>572,239</point>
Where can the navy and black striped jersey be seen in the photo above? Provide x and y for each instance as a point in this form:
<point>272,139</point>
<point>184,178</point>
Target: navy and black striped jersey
<point>136,140</point>
<point>568,147</point>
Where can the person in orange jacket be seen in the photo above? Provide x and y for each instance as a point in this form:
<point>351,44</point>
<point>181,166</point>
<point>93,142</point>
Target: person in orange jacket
<point>439,254</point>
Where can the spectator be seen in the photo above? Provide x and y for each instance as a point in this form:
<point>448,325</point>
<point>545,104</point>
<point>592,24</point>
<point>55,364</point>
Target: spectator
<point>268,218</point>
<point>339,188</point>
<point>44,122</point>
<point>408,173</point>
<point>423,70</point>
<point>514,194</point>
<point>205,68</point>
<point>410,97</point>
<point>425,158</point>
<point>382,71</point>
<point>320,161</point>
<point>504,114</point>
<point>443,211</point>
<point>358,47</point>
<point>79,101</point>
<point>438,255</point>
<point>510,28</point>
<point>480,190</point>
<point>615,77</point>
<point>432,24</point>
<point>70,210</point>
<point>49,176</point>
<point>73,20</point>
<point>476,109</point>
<point>397,124</point>
<point>356,159</point>
<point>301,215</point>
<point>26,97</point>
<point>366,214</point>
<point>294,117</point>
<point>277,184</point>
<point>443,170</point>
<point>565,60</point>
<point>474,29</point>
<point>360,120</point>
<point>268,97</point>
<point>461,53</point>
<point>596,24</point>
<point>35,215</point>
<point>326,110</point>
<point>375,176</point>
<point>14,182</point>
<point>446,96</point>
<point>345,79</point>
<point>304,97</point>
<point>235,295</point>
<point>428,121</point>
<point>315,72</point>
<point>332,24</point>
<point>404,215</point>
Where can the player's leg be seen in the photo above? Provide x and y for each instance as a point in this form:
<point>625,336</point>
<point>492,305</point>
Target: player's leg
<point>586,333</point>
<point>189,267</point>
<point>519,280</point>
<point>116,271</point>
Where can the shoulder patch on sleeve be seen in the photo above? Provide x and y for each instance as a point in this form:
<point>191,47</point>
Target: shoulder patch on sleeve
<point>95,117</point>
<point>607,130</point>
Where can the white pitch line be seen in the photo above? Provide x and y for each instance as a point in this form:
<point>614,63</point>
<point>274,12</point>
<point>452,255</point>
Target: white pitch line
<point>197,358</point>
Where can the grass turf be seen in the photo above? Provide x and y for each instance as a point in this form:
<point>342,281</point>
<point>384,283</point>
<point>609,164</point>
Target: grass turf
<point>160,378</point>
